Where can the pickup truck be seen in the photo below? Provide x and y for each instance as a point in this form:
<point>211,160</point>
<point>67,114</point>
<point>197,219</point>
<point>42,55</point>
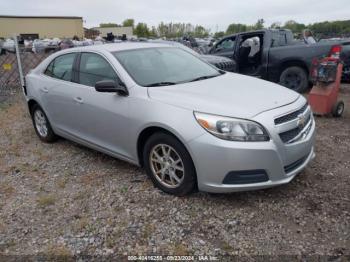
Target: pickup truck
<point>274,55</point>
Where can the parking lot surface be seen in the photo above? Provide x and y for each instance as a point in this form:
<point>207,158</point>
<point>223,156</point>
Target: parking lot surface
<point>65,199</point>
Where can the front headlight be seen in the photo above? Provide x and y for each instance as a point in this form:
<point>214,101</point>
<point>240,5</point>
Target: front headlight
<point>232,128</point>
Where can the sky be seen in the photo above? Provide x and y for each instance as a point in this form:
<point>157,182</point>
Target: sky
<point>215,15</point>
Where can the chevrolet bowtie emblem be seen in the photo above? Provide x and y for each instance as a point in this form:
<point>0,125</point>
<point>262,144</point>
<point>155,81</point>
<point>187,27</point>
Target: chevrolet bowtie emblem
<point>301,121</point>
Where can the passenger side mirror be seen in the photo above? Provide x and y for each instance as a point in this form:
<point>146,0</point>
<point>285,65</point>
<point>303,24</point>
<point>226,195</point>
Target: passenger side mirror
<point>110,86</point>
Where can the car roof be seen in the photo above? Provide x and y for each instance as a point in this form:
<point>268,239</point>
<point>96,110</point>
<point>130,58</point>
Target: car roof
<point>113,47</point>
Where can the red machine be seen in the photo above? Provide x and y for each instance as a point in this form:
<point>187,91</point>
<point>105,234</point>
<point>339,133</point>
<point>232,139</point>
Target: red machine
<point>326,74</point>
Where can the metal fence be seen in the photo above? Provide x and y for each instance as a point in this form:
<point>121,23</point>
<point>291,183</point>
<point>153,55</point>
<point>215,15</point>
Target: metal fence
<point>9,72</point>
<point>10,77</point>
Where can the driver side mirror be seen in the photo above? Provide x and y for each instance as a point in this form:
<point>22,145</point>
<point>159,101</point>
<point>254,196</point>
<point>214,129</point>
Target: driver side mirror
<point>111,86</point>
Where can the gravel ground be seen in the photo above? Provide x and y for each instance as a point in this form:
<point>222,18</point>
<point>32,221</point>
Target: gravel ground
<point>65,199</point>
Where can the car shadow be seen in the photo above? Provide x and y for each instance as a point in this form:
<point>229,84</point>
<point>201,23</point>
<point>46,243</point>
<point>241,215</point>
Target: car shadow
<point>279,193</point>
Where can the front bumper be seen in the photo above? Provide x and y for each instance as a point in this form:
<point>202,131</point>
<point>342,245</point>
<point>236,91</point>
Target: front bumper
<point>215,158</point>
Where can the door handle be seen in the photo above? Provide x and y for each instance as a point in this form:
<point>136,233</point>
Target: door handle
<point>44,89</point>
<point>78,100</point>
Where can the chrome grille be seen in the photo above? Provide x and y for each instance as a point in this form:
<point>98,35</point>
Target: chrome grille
<point>291,116</point>
<point>289,135</point>
<point>294,126</point>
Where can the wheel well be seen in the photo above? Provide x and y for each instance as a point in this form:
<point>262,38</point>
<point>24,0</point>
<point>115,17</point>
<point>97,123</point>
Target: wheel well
<point>147,133</point>
<point>31,103</point>
<point>143,137</point>
<point>294,63</point>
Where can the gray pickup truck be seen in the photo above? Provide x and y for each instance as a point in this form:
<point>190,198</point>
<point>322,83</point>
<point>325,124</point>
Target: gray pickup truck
<point>274,55</point>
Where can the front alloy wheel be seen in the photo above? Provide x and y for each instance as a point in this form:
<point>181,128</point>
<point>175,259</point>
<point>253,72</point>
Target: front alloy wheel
<point>169,164</point>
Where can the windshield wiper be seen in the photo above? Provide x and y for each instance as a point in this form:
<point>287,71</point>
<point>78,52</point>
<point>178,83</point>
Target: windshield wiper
<point>161,84</point>
<point>203,77</point>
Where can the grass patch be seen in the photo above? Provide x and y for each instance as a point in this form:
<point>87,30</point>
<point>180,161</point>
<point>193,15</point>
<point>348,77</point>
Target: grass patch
<point>124,189</point>
<point>3,106</point>
<point>81,224</point>
<point>112,240</point>
<point>82,195</point>
<point>147,231</point>
<point>46,200</point>
<point>180,249</point>
<point>59,253</point>
<point>10,243</point>
<point>93,179</point>
<point>15,149</point>
<point>6,189</point>
<point>147,184</point>
<point>226,247</point>
<point>2,226</point>
<point>61,183</point>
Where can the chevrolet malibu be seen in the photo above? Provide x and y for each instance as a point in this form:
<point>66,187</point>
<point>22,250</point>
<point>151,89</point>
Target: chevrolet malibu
<point>189,124</point>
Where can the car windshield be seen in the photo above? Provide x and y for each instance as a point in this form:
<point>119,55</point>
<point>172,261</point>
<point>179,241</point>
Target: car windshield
<point>164,66</point>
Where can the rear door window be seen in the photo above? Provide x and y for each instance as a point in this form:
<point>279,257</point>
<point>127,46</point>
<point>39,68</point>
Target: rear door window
<point>279,39</point>
<point>94,68</point>
<point>61,67</point>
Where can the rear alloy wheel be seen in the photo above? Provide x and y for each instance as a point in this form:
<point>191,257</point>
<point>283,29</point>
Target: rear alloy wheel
<point>169,164</point>
<point>294,78</point>
<point>42,125</point>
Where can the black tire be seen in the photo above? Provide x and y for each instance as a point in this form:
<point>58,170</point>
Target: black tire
<point>294,78</point>
<point>189,181</point>
<point>338,109</point>
<point>49,136</point>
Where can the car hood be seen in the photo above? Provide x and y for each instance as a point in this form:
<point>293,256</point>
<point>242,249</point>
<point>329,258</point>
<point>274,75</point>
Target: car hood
<point>227,95</point>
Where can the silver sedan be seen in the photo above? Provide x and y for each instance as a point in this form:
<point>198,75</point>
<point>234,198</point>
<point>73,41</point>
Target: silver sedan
<point>189,124</point>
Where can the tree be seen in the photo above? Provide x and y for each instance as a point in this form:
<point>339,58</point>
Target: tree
<point>259,24</point>
<point>109,25</point>
<point>172,30</point>
<point>294,26</point>
<point>236,28</point>
<point>129,22</point>
<point>276,25</point>
<point>162,29</point>
<point>200,31</point>
<point>153,32</point>
<point>141,30</point>
<point>219,34</point>
<point>332,29</point>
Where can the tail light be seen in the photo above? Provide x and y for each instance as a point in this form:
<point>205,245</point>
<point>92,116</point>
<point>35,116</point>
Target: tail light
<point>335,52</point>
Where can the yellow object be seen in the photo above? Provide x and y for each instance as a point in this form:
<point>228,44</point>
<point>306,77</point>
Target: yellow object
<point>7,66</point>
